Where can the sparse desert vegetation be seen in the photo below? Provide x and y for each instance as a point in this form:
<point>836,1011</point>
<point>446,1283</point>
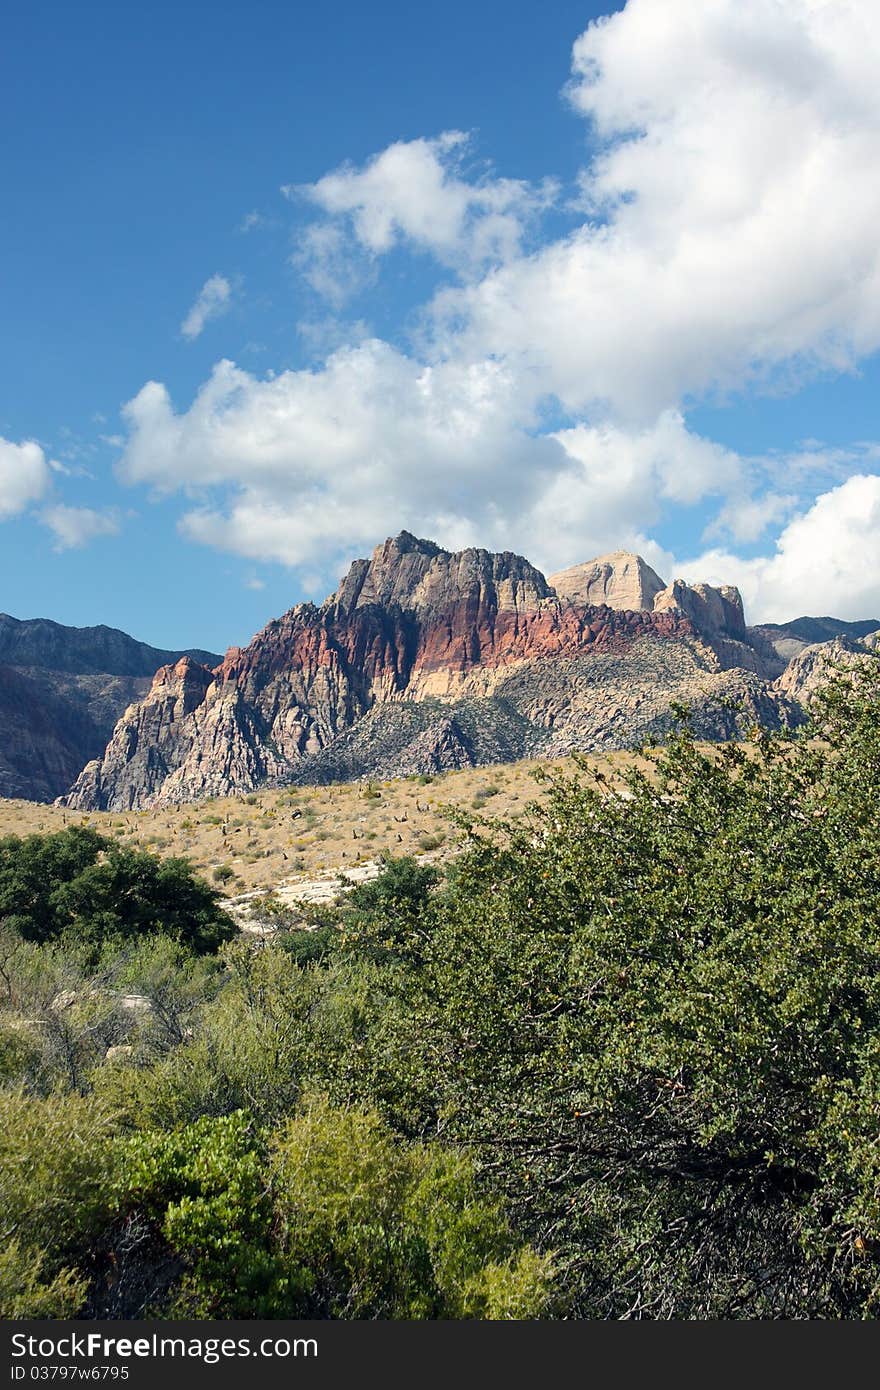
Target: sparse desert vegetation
<point>256,841</point>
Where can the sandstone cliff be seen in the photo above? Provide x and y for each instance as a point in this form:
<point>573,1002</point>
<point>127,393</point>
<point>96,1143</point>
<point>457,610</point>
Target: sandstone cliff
<point>620,580</point>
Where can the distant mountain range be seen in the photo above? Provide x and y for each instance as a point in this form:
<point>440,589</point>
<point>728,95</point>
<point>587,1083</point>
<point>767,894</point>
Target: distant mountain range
<point>422,660</point>
<point>62,690</point>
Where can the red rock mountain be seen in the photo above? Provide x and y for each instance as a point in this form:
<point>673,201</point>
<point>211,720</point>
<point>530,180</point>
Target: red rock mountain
<point>423,660</point>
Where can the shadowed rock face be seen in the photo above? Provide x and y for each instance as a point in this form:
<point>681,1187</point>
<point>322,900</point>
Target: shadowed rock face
<point>787,639</point>
<point>86,651</point>
<point>62,691</point>
<point>424,659</point>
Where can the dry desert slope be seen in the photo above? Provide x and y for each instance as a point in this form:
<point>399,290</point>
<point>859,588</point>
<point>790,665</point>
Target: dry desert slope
<point>265,839</point>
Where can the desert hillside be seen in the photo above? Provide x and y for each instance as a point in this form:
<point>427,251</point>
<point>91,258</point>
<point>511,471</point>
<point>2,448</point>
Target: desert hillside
<point>262,840</point>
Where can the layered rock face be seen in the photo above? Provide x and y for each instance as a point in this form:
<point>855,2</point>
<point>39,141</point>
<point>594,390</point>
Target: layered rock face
<point>424,660</point>
<point>619,580</point>
<point>62,691</point>
<point>814,665</point>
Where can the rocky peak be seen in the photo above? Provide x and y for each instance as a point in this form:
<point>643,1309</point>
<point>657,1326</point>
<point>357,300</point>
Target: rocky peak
<point>427,659</point>
<point>815,665</point>
<point>715,613</point>
<point>619,580</point>
<point>421,577</point>
<point>183,682</point>
<point>394,571</point>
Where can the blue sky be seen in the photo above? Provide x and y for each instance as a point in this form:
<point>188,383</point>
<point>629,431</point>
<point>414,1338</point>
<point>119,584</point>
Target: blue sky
<point>498,273</point>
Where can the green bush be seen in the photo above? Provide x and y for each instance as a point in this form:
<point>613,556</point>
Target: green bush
<point>78,883</point>
<point>331,1216</point>
<point>26,1291</point>
<point>656,1017</point>
<point>650,1019</point>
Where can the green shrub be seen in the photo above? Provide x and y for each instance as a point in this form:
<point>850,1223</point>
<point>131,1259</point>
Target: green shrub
<point>655,1018</point>
<point>26,1291</point>
<point>427,843</point>
<point>78,883</point>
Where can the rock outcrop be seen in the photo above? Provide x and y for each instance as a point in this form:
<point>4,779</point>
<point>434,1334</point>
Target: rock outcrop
<point>815,665</point>
<point>423,659</point>
<point>620,580</point>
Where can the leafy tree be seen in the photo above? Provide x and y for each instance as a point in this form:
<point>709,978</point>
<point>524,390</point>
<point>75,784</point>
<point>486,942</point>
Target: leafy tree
<point>79,883</point>
<point>390,916</point>
<point>654,1015</point>
<point>32,867</point>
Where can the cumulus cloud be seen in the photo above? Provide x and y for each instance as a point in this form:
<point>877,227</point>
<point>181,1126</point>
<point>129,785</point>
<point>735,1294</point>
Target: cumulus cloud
<point>25,476</point>
<point>313,462</point>
<point>727,241</point>
<point>309,466</point>
<point>74,527</point>
<point>211,301</point>
<point>731,212</point>
<point>414,192</point>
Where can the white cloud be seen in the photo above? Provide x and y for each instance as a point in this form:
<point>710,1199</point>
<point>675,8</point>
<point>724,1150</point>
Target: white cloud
<point>826,560</point>
<point>731,213</point>
<point>74,527</point>
<point>327,260</point>
<point>212,300</point>
<point>413,191</point>
<point>746,518</point>
<point>307,466</point>
<point>613,484</point>
<point>311,463</point>
<point>728,237</point>
<point>25,476</point>
<point>323,336</point>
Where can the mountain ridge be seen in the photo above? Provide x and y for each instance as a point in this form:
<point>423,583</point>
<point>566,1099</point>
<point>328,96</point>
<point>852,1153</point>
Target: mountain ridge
<point>424,658</point>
